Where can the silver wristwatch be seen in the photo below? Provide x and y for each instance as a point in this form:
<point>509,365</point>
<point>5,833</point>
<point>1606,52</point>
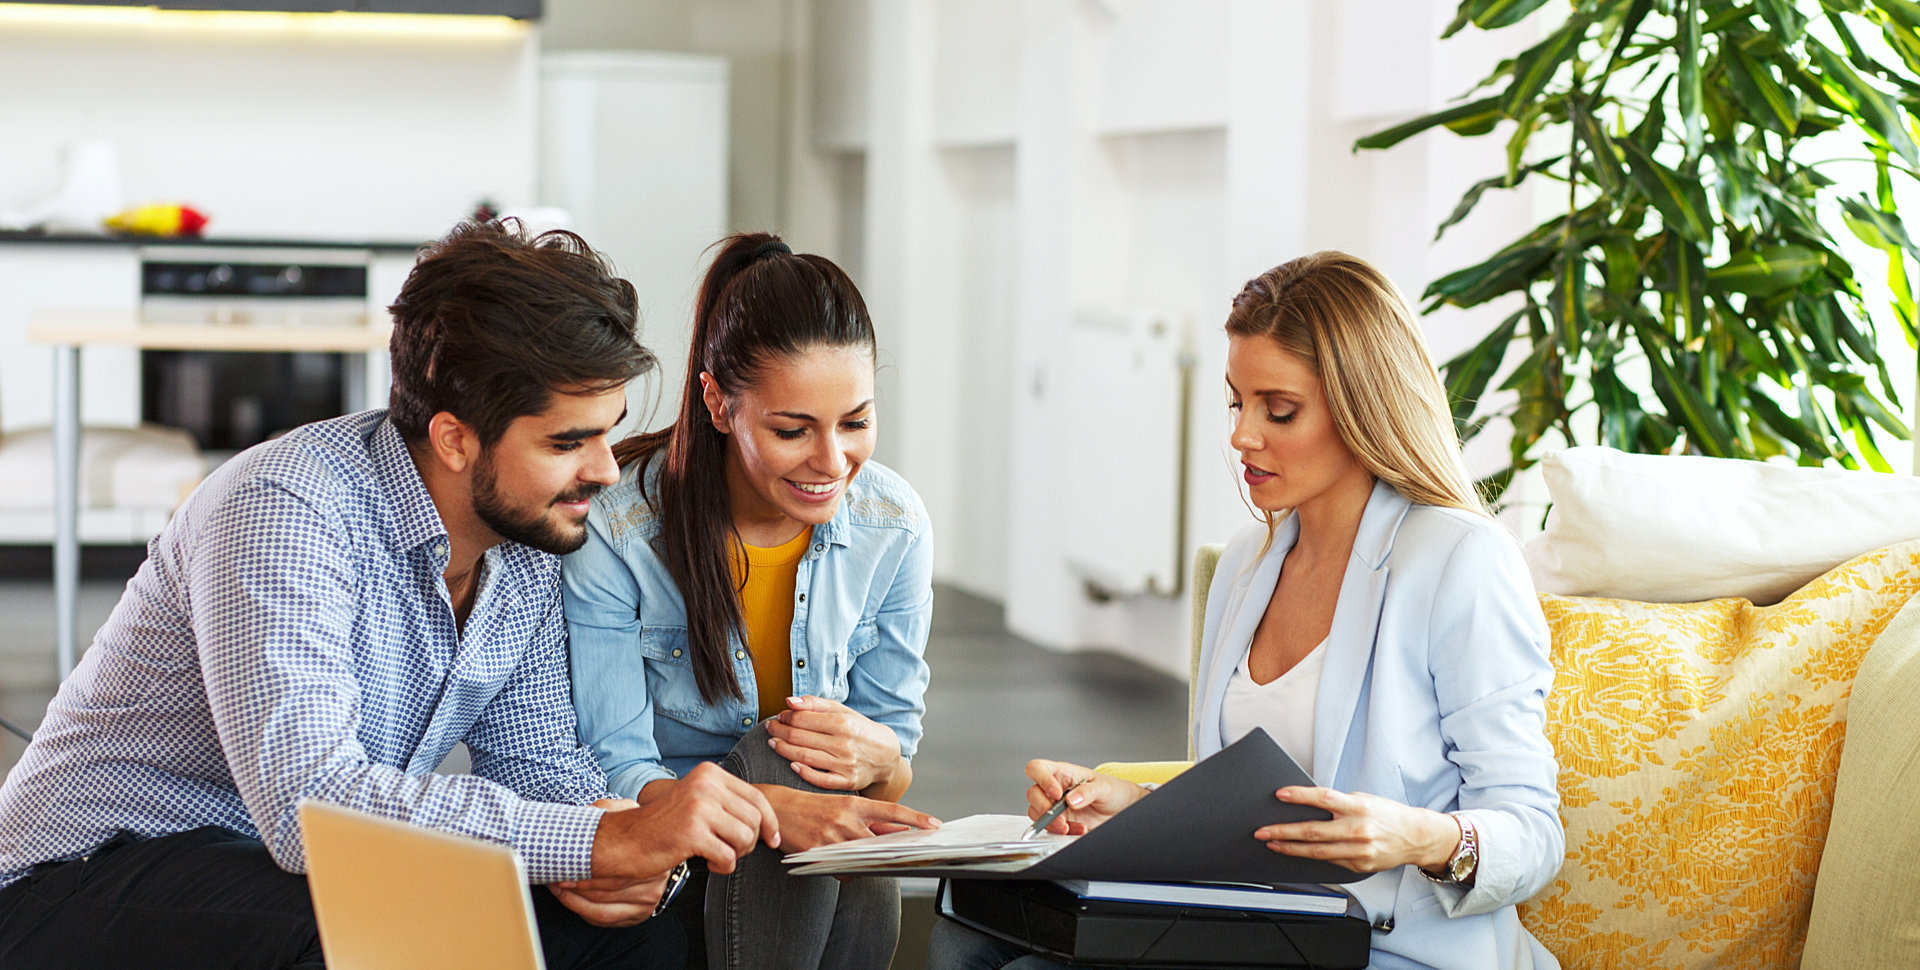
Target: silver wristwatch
<point>1459,867</point>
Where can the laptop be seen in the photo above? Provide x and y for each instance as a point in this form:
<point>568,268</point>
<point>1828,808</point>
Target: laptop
<point>393,896</point>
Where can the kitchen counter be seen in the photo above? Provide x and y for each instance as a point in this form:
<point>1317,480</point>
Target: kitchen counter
<point>37,238</point>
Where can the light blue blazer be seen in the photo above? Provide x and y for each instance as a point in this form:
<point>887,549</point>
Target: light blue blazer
<point>1433,693</point>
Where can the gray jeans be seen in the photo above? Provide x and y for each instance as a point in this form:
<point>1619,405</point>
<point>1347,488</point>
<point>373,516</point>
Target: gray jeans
<point>761,918</point>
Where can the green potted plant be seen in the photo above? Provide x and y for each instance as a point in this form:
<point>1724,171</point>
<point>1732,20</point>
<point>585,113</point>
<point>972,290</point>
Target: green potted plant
<point>1691,292</point>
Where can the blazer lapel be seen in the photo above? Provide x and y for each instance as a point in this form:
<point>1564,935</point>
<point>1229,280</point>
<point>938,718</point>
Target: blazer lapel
<point>1356,627</point>
<point>1252,590</point>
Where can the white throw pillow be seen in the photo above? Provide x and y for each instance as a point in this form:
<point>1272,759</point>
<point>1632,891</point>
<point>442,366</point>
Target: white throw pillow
<point>1679,529</point>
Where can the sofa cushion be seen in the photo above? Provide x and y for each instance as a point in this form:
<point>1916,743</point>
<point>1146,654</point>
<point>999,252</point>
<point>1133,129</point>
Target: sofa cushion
<point>1747,528</point>
<point>1698,745</point>
<point>1864,917</point>
<point>148,467</point>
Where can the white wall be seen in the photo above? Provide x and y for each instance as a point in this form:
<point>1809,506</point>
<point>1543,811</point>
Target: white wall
<point>1014,161</point>
<point>982,168</point>
<point>275,127</point>
<point>753,35</point>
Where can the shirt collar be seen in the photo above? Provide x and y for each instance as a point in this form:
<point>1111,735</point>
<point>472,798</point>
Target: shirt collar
<point>416,521</point>
<point>834,530</point>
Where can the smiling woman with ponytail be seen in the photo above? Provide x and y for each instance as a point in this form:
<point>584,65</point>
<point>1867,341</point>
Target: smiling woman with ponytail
<point>756,591</point>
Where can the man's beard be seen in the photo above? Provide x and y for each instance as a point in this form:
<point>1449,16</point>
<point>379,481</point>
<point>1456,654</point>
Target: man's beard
<point>537,528</point>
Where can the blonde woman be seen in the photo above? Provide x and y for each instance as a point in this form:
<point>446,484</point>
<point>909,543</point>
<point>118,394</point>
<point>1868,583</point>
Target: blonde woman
<point>1377,623</point>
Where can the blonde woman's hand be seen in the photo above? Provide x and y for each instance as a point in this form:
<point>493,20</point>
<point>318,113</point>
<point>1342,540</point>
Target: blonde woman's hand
<point>1367,833</point>
<point>833,746</point>
<point>1092,798</point>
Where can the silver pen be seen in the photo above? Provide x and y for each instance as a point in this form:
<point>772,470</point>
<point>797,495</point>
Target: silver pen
<point>1046,818</point>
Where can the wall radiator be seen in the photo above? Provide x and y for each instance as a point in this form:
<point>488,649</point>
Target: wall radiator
<point>1128,374</point>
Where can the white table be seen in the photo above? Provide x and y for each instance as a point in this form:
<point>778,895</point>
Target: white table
<point>68,332</point>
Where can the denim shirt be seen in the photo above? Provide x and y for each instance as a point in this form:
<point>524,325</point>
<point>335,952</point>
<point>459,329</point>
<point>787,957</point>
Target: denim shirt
<point>863,601</point>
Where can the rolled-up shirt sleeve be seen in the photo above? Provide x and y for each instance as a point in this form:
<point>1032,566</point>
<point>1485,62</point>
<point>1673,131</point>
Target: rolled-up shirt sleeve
<point>610,695</point>
<point>1492,674</point>
<point>274,621</point>
<point>889,682</point>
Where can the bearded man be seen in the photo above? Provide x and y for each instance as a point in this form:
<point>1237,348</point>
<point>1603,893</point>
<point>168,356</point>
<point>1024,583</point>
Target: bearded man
<point>327,616</point>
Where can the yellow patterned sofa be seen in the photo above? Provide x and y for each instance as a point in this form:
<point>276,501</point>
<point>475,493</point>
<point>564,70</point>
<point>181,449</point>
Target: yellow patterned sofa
<point>1712,819</point>
<point>1703,782</point>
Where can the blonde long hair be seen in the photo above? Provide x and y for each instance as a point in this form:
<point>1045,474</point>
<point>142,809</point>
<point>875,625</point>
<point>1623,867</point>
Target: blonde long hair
<point>1348,322</point>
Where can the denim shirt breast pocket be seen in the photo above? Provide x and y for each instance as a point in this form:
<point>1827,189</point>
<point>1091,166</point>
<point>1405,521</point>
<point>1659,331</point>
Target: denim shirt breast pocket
<point>836,685</point>
<point>670,683</point>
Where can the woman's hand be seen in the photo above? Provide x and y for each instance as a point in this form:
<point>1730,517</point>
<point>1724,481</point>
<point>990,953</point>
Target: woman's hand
<point>835,747</point>
<point>809,819</point>
<point>1366,834</point>
<point>1092,797</point>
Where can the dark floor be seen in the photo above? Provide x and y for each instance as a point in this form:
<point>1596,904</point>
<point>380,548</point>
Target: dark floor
<point>995,702</point>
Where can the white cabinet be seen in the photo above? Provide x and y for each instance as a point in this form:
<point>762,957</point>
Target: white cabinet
<point>634,147</point>
<point>66,277</point>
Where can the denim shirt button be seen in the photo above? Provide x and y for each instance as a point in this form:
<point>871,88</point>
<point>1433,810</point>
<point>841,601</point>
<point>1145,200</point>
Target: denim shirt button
<point>803,597</point>
<point>739,655</point>
<point>676,651</point>
<point>819,547</point>
<point>746,722</point>
<point>801,663</point>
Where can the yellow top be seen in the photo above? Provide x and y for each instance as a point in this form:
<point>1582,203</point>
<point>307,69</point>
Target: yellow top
<point>766,603</point>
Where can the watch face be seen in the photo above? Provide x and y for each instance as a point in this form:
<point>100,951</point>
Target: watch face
<point>1461,866</point>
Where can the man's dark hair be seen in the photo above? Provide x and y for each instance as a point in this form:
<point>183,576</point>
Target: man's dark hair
<point>491,324</point>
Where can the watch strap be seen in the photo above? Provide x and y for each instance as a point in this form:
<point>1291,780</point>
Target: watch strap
<point>1459,867</point>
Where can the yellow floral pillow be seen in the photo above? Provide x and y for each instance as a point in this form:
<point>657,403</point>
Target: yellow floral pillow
<point>1698,744</point>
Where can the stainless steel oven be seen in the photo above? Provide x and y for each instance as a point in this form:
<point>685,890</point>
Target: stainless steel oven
<point>229,401</point>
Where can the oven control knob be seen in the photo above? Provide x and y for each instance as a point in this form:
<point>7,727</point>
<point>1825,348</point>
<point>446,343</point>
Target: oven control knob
<point>220,279</point>
<point>289,280</point>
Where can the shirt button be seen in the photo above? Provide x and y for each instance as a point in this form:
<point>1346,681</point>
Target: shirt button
<point>739,655</point>
<point>801,663</point>
<point>819,547</point>
<point>439,548</point>
<point>676,651</point>
<point>746,722</point>
<point>803,597</point>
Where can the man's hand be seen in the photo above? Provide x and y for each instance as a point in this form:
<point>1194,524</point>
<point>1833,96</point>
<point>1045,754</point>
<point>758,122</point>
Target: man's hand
<point>611,902</point>
<point>709,813</point>
<point>834,746</point>
<point>810,819</point>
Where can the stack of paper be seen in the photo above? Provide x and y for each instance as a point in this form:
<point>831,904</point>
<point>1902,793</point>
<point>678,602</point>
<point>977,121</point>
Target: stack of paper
<point>981,843</point>
<point>1222,895</point>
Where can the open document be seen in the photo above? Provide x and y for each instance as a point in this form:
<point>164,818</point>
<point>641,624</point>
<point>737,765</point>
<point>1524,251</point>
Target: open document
<point>1196,828</point>
<point>982,843</point>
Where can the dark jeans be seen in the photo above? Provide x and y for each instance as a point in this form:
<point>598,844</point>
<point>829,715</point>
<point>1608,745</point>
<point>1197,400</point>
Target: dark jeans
<point>761,918</point>
<point>212,898</point>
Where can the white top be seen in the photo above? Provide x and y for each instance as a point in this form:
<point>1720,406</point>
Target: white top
<point>1283,706</point>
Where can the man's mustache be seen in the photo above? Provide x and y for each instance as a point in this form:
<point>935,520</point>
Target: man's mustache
<point>579,493</point>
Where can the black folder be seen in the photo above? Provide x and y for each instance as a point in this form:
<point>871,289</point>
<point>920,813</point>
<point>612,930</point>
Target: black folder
<point>1196,828</point>
<point>1049,920</point>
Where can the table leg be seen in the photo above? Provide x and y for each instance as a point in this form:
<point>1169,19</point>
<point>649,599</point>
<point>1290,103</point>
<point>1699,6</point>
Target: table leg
<point>353,382</point>
<point>66,502</point>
